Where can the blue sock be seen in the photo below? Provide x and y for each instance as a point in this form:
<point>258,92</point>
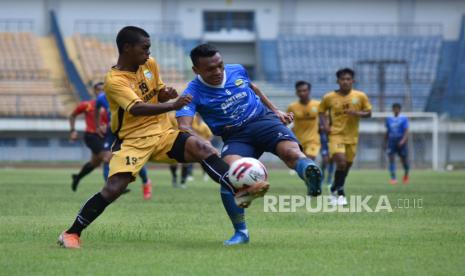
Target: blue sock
<point>392,169</point>
<point>143,175</point>
<point>236,214</point>
<point>301,165</point>
<point>106,171</point>
<point>329,180</point>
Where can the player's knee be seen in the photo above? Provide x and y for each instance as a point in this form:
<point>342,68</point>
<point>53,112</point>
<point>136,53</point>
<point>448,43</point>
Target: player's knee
<point>113,188</point>
<point>200,149</point>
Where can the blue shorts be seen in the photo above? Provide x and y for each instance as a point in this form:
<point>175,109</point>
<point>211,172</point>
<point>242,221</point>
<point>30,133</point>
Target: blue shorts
<point>394,148</point>
<point>254,138</point>
<point>109,140</point>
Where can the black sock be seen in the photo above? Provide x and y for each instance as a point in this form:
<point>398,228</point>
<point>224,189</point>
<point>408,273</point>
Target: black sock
<point>173,170</point>
<point>86,169</point>
<point>338,184</point>
<point>217,169</point>
<point>88,213</point>
<point>184,173</point>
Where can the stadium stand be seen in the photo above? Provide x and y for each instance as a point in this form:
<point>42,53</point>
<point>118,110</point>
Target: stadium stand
<point>318,57</point>
<point>96,55</point>
<point>26,86</point>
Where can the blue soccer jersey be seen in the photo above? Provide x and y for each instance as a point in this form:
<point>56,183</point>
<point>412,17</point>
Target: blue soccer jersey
<point>102,101</point>
<point>226,106</point>
<point>396,127</point>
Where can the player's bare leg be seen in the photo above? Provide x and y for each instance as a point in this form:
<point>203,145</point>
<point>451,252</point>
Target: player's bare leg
<point>294,158</point>
<point>198,150</point>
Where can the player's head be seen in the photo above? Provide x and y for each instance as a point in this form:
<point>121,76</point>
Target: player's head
<point>98,88</point>
<point>396,108</point>
<point>208,63</point>
<point>345,78</point>
<point>303,90</point>
<point>134,44</point>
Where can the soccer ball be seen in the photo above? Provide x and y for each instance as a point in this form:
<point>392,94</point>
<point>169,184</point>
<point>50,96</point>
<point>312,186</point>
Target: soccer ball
<point>247,171</point>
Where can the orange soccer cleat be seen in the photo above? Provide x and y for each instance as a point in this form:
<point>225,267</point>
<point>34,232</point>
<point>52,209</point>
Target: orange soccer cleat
<point>67,240</point>
<point>406,179</point>
<point>393,181</point>
<point>147,190</point>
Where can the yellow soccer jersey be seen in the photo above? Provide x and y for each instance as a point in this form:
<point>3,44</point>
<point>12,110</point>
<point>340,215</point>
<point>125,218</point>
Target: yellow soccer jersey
<point>306,121</point>
<point>123,89</point>
<point>201,128</point>
<point>342,125</point>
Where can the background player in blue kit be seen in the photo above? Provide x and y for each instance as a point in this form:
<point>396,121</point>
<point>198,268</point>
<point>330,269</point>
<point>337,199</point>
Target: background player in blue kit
<point>249,124</point>
<point>109,137</point>
<point>396,143</point>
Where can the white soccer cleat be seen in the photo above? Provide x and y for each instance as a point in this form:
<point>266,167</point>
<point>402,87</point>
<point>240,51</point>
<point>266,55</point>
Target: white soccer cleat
<point>341,200</point>
<point>333,199</point>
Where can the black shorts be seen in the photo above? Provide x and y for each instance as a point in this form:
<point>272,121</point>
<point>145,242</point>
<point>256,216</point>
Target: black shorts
<point>94,142</point>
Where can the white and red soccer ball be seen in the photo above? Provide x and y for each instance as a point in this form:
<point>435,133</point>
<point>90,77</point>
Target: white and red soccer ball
<point>247,171</point>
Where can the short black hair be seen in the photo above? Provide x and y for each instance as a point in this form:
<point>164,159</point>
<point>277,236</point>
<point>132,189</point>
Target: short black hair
<point>302,82</point>
<point>97,84</point>
<point>202,50</point>
<point>396,105</point>
<point>344,71</point>
<point>130,35</point>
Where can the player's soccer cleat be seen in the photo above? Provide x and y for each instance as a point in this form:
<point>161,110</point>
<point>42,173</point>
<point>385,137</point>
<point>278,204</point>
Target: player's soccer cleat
<point>147,190</point>
<point>238,238</point>
<point>333,199</point>
<point>75,182</point>
<point>245,196</point>
<point>69,240</point>
<point>313,177</point>
<point>393,181</point>
<point>406,179</point>
<point>190,178</point>
<point>341,200</point>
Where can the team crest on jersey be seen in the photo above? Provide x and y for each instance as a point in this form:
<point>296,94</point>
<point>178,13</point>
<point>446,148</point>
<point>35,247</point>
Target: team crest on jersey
<point>148,74</point>
<point>314,109</point>
<point>239,83</point>
<point>354,101</point>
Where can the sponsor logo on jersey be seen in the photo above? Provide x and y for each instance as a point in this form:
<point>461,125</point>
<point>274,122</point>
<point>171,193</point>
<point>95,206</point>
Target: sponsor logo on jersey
<point>239,83</point>
<point>148,74</point>
<point>354,101</point>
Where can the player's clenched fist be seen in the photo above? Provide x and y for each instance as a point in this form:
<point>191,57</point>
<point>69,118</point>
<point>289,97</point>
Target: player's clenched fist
<point>167,93</point>
<point>182,101</point>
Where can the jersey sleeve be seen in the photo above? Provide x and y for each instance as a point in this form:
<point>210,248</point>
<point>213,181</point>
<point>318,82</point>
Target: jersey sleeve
<point>82,107</point>
<point>120,92</point>
<point>366,105</point>
<point>190,109</point>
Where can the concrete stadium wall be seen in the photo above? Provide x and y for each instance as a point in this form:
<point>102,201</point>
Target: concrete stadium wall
<point>268,13</point>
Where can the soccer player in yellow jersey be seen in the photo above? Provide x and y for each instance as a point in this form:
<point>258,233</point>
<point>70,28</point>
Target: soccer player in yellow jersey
<point>306,120</point>
<point>138,103</point>
<point>345,107</point>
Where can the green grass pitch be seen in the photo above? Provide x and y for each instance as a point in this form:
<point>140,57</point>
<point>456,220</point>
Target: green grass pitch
<point>181,231</point>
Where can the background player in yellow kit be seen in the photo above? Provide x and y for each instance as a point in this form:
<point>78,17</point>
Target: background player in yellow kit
<point>306,120</point>
<point>138,103</point>
<point>202,130</point>
<point>345,107</point>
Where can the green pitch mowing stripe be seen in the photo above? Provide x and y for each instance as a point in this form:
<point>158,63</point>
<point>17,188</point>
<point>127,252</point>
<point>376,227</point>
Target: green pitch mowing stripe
<point>181,231</point>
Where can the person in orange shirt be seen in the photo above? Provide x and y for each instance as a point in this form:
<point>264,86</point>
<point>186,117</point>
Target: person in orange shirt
<point>93,141</point>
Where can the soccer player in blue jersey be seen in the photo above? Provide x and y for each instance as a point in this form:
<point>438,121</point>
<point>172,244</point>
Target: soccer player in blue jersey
<point>248,122</point>
<point>396,142</point>
<point>109,137</point>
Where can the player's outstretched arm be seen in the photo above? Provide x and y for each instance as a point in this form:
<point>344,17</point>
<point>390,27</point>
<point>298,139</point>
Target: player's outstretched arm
<point>286,118</point>
<point>145,109</point>
<point>185,123</point>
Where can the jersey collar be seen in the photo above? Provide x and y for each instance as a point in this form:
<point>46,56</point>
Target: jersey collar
<point>214,86</point>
